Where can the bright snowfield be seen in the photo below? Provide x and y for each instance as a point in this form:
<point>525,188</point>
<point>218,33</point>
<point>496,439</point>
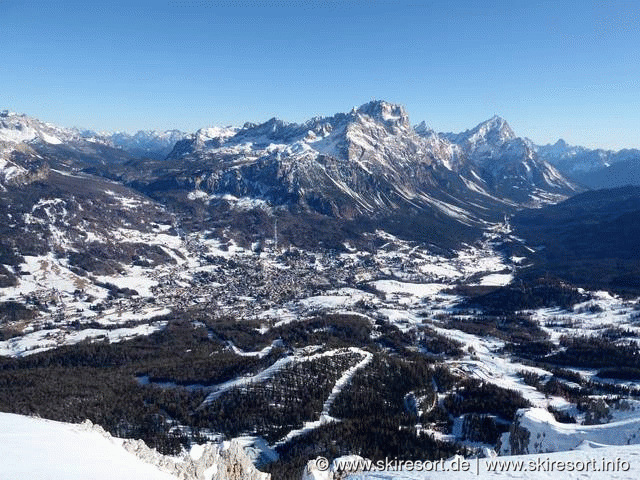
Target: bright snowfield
<point>545,434</point>
<point>35,449</point>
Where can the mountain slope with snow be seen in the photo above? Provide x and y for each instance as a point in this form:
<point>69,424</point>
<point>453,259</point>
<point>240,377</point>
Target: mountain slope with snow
<point>33,448</point>
<point>508,165</point>
<point>535,430</point>
<point>595,168</point>
<point>146,143</point>
<point>368,164</point>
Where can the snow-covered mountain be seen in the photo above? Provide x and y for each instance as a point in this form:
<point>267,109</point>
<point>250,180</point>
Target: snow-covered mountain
<point>575,159</point>
<point>595,168</point>
<point>18,129</point>
<point>147,143</point>
<point>62,148</point>
<point>34,448</point>
<point>508,165</point>
<point>367,161</point>
<point>488,134</point>
<point>364,167</point>
<point>371,161</point>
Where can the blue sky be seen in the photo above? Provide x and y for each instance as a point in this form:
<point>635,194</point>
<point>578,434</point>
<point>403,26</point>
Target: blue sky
<point>552,69</point>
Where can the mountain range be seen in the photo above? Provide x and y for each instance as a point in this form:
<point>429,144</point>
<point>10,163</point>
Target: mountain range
<point>594,168</point>
<point>352,170</point>
<point>352,284</point>
<point>326,180</point>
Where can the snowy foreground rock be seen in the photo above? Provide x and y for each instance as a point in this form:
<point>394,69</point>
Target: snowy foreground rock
<point>32,448</point>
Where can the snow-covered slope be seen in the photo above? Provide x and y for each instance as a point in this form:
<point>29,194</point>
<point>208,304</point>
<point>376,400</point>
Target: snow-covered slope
<point>508,165</point>
<point>368,162</point>
<point>573,159</point>
<point>535,430</point>
<point>595,168</point>
<point>51,140</point>
<point>371,161</point>
<point>10,169</point>
<point>17,128</point>
<point>33,449</point>
<point>146,143</point>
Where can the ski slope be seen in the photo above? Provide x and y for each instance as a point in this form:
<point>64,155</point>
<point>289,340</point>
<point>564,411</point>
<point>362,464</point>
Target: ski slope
<point>342,382</point>
<point>36,449</point>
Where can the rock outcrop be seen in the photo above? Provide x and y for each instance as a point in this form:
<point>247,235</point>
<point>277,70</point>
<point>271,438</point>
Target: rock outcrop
<point>211,461</point>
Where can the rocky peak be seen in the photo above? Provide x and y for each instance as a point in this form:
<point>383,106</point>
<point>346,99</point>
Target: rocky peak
<point>19,128</point>
<point>494,131</point>
<point>389,114</point>
<point>424,130</point>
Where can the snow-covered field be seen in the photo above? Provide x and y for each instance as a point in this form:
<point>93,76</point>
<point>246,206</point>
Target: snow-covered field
<point>32,448</point>
<point>42,340</point>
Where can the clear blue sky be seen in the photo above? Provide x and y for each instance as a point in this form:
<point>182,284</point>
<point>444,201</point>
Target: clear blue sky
<point>552,69</point>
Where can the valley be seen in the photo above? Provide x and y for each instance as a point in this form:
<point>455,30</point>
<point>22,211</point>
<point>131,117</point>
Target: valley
<point>351,285</point>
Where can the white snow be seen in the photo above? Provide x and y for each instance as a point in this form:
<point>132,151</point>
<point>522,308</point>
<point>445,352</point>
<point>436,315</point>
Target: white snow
<point>342,298</point>
<point>32,449</point>
<point>418,290</point>
<point>549,435</point>
<point>497,279</point>
<point>43,340</point>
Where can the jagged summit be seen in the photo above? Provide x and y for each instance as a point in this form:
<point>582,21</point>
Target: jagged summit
<point>424,129</point>
<point>494,131</point>
<point>328,135</point>
<point>367,161</point>
<point>17,128</point>
<point>20,128</point>
<point>388,113</point>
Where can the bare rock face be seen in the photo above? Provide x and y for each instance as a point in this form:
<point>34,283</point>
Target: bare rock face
<point>38,175</point>
<point>211,461</point>
<point>205,462</point>
<point>234,464</point>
